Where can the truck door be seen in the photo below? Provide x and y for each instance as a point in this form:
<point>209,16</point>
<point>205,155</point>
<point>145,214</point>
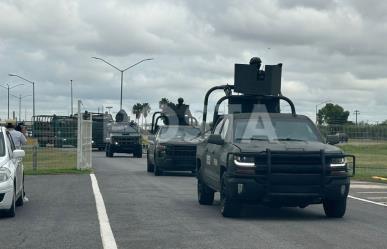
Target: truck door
<point>212,159</point>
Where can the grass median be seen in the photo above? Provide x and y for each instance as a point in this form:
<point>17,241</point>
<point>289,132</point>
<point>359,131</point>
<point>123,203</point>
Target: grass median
<point>52,160</point>
<point>371,160</point>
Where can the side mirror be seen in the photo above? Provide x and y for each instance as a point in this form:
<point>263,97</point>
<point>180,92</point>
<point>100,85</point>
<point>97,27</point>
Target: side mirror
<point>333,139</point>
<point>215,139</point>
<point>151,137</point>
<point>18,154</point>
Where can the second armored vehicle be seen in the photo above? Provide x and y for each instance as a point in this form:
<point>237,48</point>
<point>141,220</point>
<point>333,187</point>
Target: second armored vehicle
<point>123,137</point>
<point>172,147</point>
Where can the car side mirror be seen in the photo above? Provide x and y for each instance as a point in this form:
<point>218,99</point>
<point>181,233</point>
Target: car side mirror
<point>332,139</point>
<point>215,139</point>
<point>18,154</point>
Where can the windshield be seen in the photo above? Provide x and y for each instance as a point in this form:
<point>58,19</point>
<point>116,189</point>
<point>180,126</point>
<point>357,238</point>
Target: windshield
<point>2,145</point>
<point>118,128</point>
<point>184,133</point>
<point>281,129</point>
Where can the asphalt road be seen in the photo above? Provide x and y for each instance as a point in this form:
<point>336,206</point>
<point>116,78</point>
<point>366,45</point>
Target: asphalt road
<point>162,212</point>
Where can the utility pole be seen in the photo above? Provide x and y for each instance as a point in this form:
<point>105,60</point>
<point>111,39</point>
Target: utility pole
<point>356,112</point>
<point>71,86</point>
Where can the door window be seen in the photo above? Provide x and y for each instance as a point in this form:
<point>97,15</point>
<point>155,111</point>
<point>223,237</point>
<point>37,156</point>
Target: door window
<point>218,127</point>
<point>225,128</point>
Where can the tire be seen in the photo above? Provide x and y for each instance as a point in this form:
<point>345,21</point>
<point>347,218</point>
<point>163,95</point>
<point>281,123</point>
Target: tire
<point>228,206</point>
<point>205,193</point>
<point>149,166</point>
<point>138,154</point>
<point>20,200</point>
<point>335,208</point>
<point>156,170</point>
<point>109,152</point>
<point>11,212</point>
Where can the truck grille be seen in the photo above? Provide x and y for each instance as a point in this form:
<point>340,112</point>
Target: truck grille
<point>181,151</point>
<point>125,140</point>
<point>292,172</point>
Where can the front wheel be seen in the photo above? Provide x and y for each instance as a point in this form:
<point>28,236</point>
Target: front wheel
<point>150,166</point>
<point>205,193</point>
<point>335,208</point>
<point>11,212</point>
<point>20,200</point>
<point>229,207</point>
<point>157,171</point>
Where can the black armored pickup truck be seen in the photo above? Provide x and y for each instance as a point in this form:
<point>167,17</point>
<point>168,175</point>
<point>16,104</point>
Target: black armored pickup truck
<point>257,154</point>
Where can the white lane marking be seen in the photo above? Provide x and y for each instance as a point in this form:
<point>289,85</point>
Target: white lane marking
<point>365,186</point>
<point>360,199</point>
<point>371,192</point>
<point>377,198</point>
<point>107,236</point>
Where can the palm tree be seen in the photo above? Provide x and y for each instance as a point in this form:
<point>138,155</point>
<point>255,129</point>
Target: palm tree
<point>145,111</point>
<point>137,110</point>
<point>163,103</point>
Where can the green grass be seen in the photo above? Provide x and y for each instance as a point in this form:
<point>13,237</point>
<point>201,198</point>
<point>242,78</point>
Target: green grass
<point>52,161</point>
<point>371,159</point>
<point>56,171</point>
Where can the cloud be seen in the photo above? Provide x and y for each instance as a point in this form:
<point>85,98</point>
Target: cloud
<point>330,50</point>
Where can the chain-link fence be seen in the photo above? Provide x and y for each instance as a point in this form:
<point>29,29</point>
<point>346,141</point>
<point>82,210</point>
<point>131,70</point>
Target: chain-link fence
<point>357,133</point>
<point>367,142</point>
<point>52,143</point>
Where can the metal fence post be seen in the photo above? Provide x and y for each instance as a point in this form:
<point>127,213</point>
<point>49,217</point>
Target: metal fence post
<point>34,157</point>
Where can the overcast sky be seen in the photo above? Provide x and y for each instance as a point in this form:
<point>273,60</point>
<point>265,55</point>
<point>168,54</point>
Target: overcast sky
<point>331,50</point>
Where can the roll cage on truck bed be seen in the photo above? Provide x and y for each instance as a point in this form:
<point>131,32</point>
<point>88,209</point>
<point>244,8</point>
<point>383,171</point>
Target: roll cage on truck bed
<point>275,177</point>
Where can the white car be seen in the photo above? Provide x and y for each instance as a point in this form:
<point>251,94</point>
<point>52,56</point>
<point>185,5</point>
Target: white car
<point>11,175</point>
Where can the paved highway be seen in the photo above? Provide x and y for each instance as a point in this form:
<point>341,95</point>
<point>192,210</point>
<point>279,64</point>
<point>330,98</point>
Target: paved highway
<point>162,212</point>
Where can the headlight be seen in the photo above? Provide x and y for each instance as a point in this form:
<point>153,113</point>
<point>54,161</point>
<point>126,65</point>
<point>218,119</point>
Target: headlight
<point>338,162</point>
<point>5,174</point>
<point>116,143</point>
<point>244,161</point>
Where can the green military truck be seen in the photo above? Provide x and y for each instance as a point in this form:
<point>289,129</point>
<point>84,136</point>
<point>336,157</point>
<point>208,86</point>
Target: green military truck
<point>55,130</point>
<point>257,154</point>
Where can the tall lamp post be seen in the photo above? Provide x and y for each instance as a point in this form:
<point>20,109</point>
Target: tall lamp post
<point>20,97</point>
<point>326,101</point>
<point>122,71</point>
<point>71,86</point>
<point>9,88</point>
<point>33,90</point>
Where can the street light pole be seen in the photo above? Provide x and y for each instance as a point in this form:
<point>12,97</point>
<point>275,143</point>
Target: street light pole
<point>33,90</point>
<point>8,89</point>
<point>122,71</point>
<point>20,97</point>
<point>71,85</point>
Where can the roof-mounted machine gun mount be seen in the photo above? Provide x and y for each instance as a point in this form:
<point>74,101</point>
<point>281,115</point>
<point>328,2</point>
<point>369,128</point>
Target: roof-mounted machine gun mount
<point>171,116</point>
<point>253,90</point>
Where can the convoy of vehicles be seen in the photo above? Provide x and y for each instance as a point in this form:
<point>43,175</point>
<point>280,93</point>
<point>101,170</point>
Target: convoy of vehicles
<point>11,175</point>
<point>256,154</point>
